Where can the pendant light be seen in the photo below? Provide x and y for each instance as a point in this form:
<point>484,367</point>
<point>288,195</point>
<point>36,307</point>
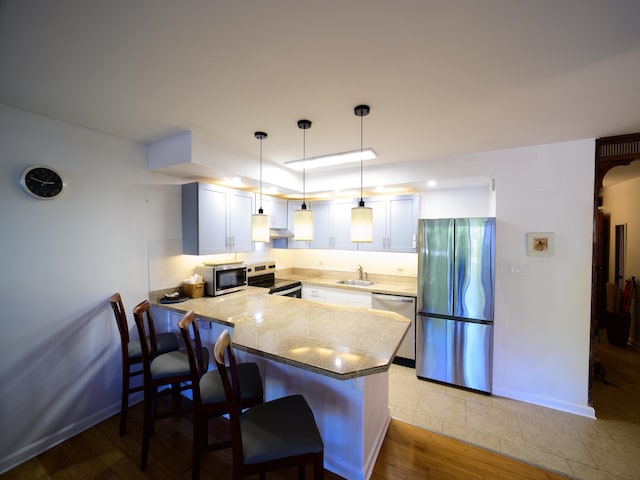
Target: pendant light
<point>260,220</point>
<point>361,216</point>
<point>303,218</point>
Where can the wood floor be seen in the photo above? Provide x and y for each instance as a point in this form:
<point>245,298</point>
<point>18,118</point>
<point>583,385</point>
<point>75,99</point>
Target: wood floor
<point>408,452</point>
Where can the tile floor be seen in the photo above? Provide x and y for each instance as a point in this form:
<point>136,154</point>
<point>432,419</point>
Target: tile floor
<point>604,449</point>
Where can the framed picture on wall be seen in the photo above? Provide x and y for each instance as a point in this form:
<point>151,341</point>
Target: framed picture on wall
<point>540,244</point>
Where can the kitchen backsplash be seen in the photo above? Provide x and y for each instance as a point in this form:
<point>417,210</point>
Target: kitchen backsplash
<point>168,266</point>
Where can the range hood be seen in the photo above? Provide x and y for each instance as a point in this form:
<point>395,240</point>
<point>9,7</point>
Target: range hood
<point>280,233</point>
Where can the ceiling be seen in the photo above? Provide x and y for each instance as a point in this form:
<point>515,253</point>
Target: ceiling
<point>441,77</point>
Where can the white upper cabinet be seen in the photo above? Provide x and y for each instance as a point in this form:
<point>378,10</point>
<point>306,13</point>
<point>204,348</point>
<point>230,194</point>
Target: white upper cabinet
<point>341,223</point>
<point>332,224</point>
<point>215,220</point>
<point>239,210</point>
<point>395,223</point>
<point>322,231</point>
<point>292,206</point>
<point>275,208</point>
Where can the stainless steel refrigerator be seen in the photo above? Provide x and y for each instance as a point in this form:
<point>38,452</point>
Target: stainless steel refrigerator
<point>454,324</point>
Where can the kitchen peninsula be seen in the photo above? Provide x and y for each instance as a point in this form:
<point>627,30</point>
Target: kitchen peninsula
<point>336,356</point>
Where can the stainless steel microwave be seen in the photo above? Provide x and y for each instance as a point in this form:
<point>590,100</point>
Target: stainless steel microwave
<point>221,279</point>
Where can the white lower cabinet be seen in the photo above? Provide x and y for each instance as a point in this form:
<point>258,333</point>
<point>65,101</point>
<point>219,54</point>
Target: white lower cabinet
<point>336,296</point>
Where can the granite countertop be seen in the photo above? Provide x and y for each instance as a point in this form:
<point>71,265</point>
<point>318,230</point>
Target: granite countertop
<point>391,288</point>
<point>338,341</point>
<point>389,284</point>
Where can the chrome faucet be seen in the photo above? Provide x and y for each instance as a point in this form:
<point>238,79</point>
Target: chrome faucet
<point>360,272</point>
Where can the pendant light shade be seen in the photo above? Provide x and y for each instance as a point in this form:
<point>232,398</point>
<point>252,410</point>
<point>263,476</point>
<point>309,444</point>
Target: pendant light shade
<point>361,216</point>
<point>303,218</point>
<point>303,224</point>
<point>361,223</point>
<point>260,220</point>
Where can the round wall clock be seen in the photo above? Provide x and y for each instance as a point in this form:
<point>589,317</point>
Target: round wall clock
<point>42,182</point>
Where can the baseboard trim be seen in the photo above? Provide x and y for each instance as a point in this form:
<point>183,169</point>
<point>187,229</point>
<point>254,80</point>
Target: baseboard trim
<point>576,409</point>
<point>43,444</point>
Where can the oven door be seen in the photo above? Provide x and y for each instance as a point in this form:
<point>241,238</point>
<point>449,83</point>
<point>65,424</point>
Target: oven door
<point>266,280</point>
<point>293,290</point>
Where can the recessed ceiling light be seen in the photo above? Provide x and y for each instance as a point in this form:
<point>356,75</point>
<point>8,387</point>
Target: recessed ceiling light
<point>432,183</point>
<point>333,159</point>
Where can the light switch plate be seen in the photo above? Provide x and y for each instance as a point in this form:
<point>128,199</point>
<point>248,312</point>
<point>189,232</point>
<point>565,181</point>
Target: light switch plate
<point>518,269</point>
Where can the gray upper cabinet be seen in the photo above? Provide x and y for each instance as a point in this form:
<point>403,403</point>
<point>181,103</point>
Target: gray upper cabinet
<point>215,220</point>
<point>395,223</point>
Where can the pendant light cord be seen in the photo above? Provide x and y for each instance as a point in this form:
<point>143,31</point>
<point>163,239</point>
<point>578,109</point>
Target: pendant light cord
<point>304,161</point>
<point>303,125</point>
<point>361,111</point>
<point>260,136</point>
<point>361,177</point>
<point>260,210</point>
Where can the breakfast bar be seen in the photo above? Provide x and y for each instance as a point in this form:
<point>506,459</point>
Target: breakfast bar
<point>336,356</point>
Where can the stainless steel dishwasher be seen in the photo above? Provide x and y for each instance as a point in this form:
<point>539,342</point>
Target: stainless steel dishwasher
<point>405,306</point>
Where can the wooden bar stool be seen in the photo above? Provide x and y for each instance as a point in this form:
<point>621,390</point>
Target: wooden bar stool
<point>273,435</point>
<point>209,400</point>
<point>159,370</point>
<point>132,355</point>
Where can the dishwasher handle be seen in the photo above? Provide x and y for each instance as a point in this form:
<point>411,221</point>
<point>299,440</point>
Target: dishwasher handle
<point>392,298</point>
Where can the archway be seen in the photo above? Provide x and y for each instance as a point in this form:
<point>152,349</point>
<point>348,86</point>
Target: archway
<point>610,152</point>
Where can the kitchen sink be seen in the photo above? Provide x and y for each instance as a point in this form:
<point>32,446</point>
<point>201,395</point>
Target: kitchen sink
<point>358,283</point>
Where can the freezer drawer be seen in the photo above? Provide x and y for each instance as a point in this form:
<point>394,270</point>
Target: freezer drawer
<point>455,352</point>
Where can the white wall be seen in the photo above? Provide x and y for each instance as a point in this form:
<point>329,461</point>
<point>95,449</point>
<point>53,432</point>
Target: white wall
<point>621,202</point>
<point>542,317</point>
<point>118,226</point>
<point>458,202</point>
<point>61,260</point>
